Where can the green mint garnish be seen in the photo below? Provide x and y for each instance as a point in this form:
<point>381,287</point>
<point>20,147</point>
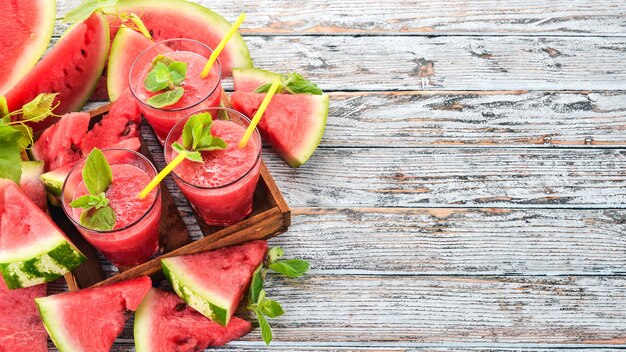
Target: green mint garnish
<point>293,83</point>
<point>258,302</point>
<point>85,9</point>
<point>166,74</point>
<point>97,175</point>
<point>197,137</point>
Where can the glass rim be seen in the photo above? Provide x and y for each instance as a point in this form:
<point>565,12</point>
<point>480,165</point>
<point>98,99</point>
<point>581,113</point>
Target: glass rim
<point>65,206</point>
<point>132,67</point>
<point>256,134</point>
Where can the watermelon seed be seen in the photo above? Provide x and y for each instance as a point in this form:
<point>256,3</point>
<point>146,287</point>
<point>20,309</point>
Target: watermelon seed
<point>180,307</point>
<point>78,69</point>
<point>83,53</point>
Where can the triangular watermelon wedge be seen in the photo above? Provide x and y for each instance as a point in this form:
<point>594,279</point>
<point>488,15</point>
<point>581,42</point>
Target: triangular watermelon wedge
<point>125,48</point>
<point>214,282</point>
<point>292,124</point>
<point>90,320</point>
<point>164,323</point>
<point>33,250</point>
<point>21,328</point>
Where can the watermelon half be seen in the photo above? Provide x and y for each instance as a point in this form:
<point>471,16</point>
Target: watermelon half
<point>33,250</point>
<point>214,282</point>
<point>90,320</point>
<point>21,328</point>
<point>71,68</point>
<point>183,19</point>
<point>26,31</point>
<point>125,48</point>
<point>31,184</point>
<point>164,323</point>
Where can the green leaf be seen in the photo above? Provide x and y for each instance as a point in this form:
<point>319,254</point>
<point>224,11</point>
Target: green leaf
<point>161,58</point>
<point>274,254</point>
<point>133,21</point>
<point>263,88</point>
<point>191,155</point>
<point>216,144</point>
<point>256,286</point>
<point>291,267</point>
<point>85,9</point>
<point>167,98</point>
<point>197,134</point>
<point>4,110</point>
<point>39,108</point>
<point>266,330</point>
<point>178,72</point>
<point>97,173</point>
<point>158,78</point>
<point>90,201</point>
<point>26,135</point>
<point>10,158</point>
<point>296,84</point>
<point>102,219</point>
<point>271,308</point>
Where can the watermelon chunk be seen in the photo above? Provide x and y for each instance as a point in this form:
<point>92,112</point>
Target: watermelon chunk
<point>90,320</point>
<point>292,124</point>
<point>125,48</point>
<point>31,184</point>
<point>249,79</point>
<point>26,31</point>
<point>163,323</point>
<point>214,282</point>
<point>183,19</point>
<point>33,250</point>
<point>71,68</point>
<point>21,328</point>
<point>53,180</point>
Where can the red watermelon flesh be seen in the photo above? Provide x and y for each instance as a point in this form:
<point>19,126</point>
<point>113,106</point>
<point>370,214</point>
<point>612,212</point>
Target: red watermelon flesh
<point>71,68</point>
<point>21,328</point>
<point>91,319</point>
<point>61,143</point>
<point>26,31</point>
<point>100,93</point>
<point>31,184</point>
<point>164,323</point>
<point>292,124</point>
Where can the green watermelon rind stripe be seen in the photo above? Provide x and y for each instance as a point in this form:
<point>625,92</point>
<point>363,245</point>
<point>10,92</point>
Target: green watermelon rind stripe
<point>194,296</point>
<point>47,307</point>
<point>142,326</point>
<point>53,180</point>
<point>42,268</point>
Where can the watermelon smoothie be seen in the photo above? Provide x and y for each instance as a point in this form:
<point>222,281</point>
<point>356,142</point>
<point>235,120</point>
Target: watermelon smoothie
<point>199,93</point>
<point>221,188</point>
<point>135,237</point>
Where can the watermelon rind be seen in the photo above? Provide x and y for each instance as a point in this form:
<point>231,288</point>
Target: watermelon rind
<point>53,180</point>
<point>49,315</point>
<point>205,302</point>
<point>142,323</point>
<point>117,79</point>
<point>248,77</point>
<point>37,48</point>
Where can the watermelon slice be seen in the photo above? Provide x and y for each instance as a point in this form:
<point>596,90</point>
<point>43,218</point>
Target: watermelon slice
<point>89,320</point>
<point>125,48</point>
<point>163,323</point>
<point>53,180</point>
<point>183,19</point>
<point>31,184</point>
<point>33,250</point>
<point>214,282</point>
<point>21,328</point>
<point>292,124</point>
<point>26,31</point>
<point>249,79</point>
<point>71,68</point>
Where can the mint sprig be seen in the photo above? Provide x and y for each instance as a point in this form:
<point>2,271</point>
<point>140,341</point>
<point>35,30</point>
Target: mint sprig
<point>166,75</point>
<point>97,176</point>
<point>292,83</point>
<point>258,302</point>
<point>197,137</point>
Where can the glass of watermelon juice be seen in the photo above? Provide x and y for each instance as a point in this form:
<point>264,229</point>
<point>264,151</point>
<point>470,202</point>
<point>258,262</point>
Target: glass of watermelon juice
<point>135,237</point>
<point>221,188</point>
<point>200,93</point>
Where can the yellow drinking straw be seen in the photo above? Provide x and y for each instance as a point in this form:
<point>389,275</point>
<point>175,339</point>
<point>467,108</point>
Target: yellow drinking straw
<point>161,175</point>
<point>221,45</point>
<point>259,114</point>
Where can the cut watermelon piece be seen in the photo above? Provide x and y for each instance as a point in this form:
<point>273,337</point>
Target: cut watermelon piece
<point>183,19</point>
<point>163,323</point>
<point>31,184</point>
<point>292,124</point>
<point>125,48</point>
<point>21,328</point>
<point>89,320</point>
<point>214,282</point>
<point>71,68</point>
<point>249,79</point>
<point>26,31</point>
<point>61,144</point>
<point>53,180</point>
<point>33,250</point>
<point>100,93</point>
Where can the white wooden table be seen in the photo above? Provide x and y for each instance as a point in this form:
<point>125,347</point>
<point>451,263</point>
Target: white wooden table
<point>470,190</point>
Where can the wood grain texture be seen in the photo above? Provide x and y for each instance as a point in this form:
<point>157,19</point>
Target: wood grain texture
<point>414,17</point>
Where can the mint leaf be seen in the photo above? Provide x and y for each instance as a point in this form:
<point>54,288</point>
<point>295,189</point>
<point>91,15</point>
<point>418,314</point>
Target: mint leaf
<point>10,158</point>
<point>177,72</point>
<point>162,58</point>
<point>158,78</point>
<point>39,108</point>
<point>102,219</point>
<point>90,201</point>
<point>191,155</point>
<point>256,286</point>
<point>97,173</point>
<point>271,308</point>
<point>215,144</point>
<point>266,330</point>
<point>293,83</point>
<point>85,9</point>
<point>167,98</point>
<point>196,136</point>
<point>291,267</point>
<point>274,254</point>
<point>264,88</point>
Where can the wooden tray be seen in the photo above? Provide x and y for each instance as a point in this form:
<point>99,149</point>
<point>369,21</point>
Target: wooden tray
<point>270,217</point>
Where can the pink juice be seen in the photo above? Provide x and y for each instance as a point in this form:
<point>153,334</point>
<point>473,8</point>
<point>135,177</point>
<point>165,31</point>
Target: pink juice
<point>221,189</point>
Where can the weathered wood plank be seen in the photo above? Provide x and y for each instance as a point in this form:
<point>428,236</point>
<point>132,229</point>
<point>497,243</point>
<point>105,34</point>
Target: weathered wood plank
<point>578,17</point>
<point>404,119</point>
<point>459,177</point>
